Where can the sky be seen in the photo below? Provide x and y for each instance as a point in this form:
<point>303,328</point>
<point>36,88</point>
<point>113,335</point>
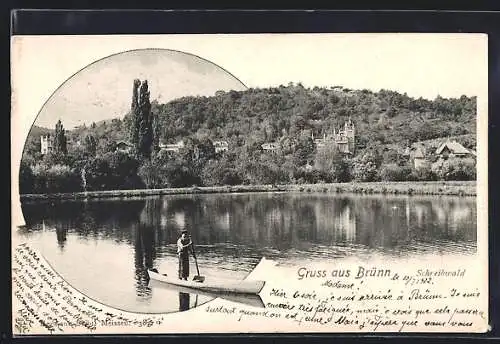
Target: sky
<point>103,90</point>
<point>421,65</point>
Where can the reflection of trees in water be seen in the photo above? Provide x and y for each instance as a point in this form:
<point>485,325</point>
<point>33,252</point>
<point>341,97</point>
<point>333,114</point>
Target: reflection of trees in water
<point>61,232</point>
<point>334,220</point>
<point>382,222</point>
<point>177,214</point>
<point>143,257</point>
<point>391,222</point>
<point>111,218</point>
<point>447,219</point>
<point>257,221</point>
<point>130,221</point>
<point>451,219</point>
<point>275,220</point>
<point>148,237</point>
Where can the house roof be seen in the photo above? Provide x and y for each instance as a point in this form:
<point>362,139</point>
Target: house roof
<point>454,147</point>
<point>124,143</point>
<point>418,153</point>
<point>171,145</point>
<point>220,143</point>
<point>270,145</point>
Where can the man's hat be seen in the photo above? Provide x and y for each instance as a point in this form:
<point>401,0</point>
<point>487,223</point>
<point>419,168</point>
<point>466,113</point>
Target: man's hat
<point>184,231</point>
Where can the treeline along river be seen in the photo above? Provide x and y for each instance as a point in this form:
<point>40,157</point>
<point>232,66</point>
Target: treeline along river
<point>103,247</point>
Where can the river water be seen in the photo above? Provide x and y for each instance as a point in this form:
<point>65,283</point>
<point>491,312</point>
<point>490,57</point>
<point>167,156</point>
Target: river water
<point>103,247</point>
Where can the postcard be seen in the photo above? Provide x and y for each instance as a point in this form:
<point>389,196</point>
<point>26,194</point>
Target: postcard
<point>249,183</point>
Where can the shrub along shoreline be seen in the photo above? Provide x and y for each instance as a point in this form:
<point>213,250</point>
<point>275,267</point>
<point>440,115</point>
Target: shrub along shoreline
<point>451,188</point>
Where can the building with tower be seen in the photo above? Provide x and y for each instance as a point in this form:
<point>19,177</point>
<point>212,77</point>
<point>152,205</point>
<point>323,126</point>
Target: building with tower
<point>344,138</point>
<point>46,145</point>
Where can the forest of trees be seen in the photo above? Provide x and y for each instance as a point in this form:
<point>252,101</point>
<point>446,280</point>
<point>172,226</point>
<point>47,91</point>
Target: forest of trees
<point>386,123</point>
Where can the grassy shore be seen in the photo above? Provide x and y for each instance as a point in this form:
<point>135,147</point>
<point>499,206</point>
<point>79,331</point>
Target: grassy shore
<point>389,188</point>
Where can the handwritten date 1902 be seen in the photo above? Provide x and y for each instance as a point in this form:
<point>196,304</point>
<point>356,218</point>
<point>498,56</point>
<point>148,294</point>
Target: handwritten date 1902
<point>410,280</point>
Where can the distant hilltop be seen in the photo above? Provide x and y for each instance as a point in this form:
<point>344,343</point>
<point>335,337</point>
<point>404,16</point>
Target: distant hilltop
<point>265,114</point>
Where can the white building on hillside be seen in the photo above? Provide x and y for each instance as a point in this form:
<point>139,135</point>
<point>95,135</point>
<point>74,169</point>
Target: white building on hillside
<point>270,146</point>
<point>221,146</point>
<point>172,147</point>
<point>418,156</point>
<point>46,145</point>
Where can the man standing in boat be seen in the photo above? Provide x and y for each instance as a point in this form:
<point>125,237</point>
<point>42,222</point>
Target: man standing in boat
<point>183,247</point>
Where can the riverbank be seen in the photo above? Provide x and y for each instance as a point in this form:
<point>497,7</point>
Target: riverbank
<point>390,188</point>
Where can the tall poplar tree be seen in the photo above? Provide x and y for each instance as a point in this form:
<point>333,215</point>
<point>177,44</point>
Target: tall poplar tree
<point>134,116</point>
<point>146,122</point>
<point>141,124</point>
<point>91,144</point>
<point>156,131</point>
<point>60,141</point>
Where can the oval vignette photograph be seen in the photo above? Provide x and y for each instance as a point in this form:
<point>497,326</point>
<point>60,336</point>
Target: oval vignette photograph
<point>155,181</point>
<point>81,141</point>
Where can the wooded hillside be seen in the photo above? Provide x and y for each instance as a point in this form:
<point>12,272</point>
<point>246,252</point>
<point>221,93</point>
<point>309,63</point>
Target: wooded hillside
<point>386,123</point>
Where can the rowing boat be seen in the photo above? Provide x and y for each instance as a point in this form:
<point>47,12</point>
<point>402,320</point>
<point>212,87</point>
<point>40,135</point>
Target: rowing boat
<point>246,299</point>
<point>229,287</point>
